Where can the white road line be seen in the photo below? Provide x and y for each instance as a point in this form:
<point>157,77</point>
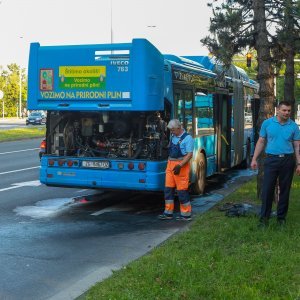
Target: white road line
<point>22,184</point>
<point>19,151</point>
<point>110,209</point>
<point>20,170</point>
<point>9,188</point>
<point>105,210</point>
<point>81,191</point>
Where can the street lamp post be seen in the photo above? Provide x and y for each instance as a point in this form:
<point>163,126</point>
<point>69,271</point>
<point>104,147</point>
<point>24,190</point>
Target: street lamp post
<point>1,98</point>
<point>20,93</point>
<point>111,22</point>
<point>20,86</point>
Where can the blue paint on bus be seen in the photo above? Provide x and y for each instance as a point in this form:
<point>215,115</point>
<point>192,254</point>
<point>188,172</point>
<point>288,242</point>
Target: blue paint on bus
<point>108,106</point>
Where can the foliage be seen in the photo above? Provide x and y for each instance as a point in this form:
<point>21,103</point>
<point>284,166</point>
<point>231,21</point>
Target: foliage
<point>234,29</point>
<point>10,85</point>
<point>240,25</point>
<point>22,133</point>
<point>231,29</point>
<point>240,61</point>
<point>217,258</point>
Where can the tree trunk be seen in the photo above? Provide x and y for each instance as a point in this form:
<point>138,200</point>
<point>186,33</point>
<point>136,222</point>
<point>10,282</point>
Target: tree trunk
<point>289,79</point>
<point>265,76</point>
<point>289,76</point>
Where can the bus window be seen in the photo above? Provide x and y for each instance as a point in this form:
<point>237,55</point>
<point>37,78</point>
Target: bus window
<point>248,93</point>
<point>203,112</point>
<point>184,108</point>
<point>189,111</point>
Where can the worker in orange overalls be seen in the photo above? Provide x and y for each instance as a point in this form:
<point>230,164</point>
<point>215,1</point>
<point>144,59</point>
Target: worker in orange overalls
<point>177,173</point>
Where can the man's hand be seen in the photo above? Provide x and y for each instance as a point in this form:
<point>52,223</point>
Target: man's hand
<point>298,170</point>
<point>176,169</point>
<point>253,164</point>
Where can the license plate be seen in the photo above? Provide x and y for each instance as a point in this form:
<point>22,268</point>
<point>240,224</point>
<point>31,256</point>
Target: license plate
<point>96,164</point>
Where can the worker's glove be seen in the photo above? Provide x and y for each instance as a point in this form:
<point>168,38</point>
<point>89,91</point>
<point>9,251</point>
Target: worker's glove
<point>176,169</point>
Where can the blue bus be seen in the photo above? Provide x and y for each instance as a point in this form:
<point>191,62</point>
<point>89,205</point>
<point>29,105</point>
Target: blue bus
<point>108,106</point>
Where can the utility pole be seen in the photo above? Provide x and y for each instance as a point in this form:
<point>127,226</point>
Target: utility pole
<point>20,93</point>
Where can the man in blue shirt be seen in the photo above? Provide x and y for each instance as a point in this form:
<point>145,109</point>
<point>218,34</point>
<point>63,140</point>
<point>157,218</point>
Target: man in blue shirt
<point>280,137</point>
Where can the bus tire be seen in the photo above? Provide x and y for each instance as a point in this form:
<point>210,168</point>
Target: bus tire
<point>200,182</point>
<point>247,161</point>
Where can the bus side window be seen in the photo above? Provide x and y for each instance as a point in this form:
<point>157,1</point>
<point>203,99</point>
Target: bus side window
<point>189,116</point>
<point>184,111</point>
<point>188,105</point>
<point>180,110</point>
<point>203,112</point>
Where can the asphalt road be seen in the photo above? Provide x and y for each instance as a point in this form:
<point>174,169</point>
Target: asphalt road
<point>9,123</point>
<point>55,243</point>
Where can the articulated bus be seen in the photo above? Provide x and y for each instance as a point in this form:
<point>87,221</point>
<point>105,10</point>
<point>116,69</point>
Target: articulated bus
<point>108,106</point>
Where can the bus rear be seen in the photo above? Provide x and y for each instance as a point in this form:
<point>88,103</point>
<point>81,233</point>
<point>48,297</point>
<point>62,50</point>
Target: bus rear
<point>106,116</point>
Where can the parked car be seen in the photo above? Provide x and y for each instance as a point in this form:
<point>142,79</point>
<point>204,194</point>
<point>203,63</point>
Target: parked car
<point>36,118</point>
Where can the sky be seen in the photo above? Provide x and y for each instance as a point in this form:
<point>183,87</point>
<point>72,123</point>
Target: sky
<point>173,26</point>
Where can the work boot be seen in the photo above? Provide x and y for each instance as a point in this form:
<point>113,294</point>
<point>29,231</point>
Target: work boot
<point>165,217</point>
<point>182,218</point>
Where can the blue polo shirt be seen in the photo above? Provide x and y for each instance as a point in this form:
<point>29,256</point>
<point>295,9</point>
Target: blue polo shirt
<point>279,137</point>
<point>187,144</point>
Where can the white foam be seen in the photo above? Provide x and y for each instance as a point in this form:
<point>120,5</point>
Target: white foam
<point>45,208</point>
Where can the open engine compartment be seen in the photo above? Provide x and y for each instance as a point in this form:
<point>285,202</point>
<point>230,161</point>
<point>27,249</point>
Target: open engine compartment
<point>108,134</point>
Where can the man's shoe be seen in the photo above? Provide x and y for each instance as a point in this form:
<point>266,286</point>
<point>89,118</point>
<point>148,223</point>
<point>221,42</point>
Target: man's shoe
<point>263,223</point>
<point>165,217</point>
<point>182,218</point>
<point>281,222</point>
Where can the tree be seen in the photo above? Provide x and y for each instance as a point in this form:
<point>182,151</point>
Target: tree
<point>10,85</point>
<point>233,27</point>
<point>287,42</point>
<point>237,25</point>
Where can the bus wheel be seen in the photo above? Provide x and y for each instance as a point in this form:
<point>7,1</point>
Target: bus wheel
<point>200,183</point>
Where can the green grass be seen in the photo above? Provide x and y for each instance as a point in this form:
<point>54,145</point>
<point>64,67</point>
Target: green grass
<point>21,133</point>
<point>217,258</point>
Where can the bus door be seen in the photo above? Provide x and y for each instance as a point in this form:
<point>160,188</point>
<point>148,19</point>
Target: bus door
<point>223,120</point>
<point>183,99</point>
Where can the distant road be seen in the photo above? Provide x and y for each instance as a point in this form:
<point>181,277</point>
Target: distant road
<point>10,123</point>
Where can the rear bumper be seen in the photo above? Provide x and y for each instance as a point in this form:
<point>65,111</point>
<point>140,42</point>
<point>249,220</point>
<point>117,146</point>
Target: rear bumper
<point>151,179</point>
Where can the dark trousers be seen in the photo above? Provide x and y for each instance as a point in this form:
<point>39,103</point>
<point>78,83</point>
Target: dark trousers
<point>281,168</point>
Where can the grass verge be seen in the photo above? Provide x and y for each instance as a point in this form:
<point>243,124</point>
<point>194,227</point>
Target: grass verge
<point>217,258</point>
<point>21,133</point>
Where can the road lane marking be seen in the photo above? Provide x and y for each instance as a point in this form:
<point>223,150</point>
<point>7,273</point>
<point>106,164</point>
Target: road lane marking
<point>81,191</point>
<point>111,209</point>
<point>103,211</point>
<point>33,149</point>
<point>9,188</point>
<point>22,184</point>
<point>20,170</point>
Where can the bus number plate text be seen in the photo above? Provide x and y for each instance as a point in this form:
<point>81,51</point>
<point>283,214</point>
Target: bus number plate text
<point>95,164</point>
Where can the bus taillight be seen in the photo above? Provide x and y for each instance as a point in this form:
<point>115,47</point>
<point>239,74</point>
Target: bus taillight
<point>131,166</point>
<point>51,162</point>
<point>43,145</point>
<point>141,166</point>
<point>70,163</point>
<point>61,162</point>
